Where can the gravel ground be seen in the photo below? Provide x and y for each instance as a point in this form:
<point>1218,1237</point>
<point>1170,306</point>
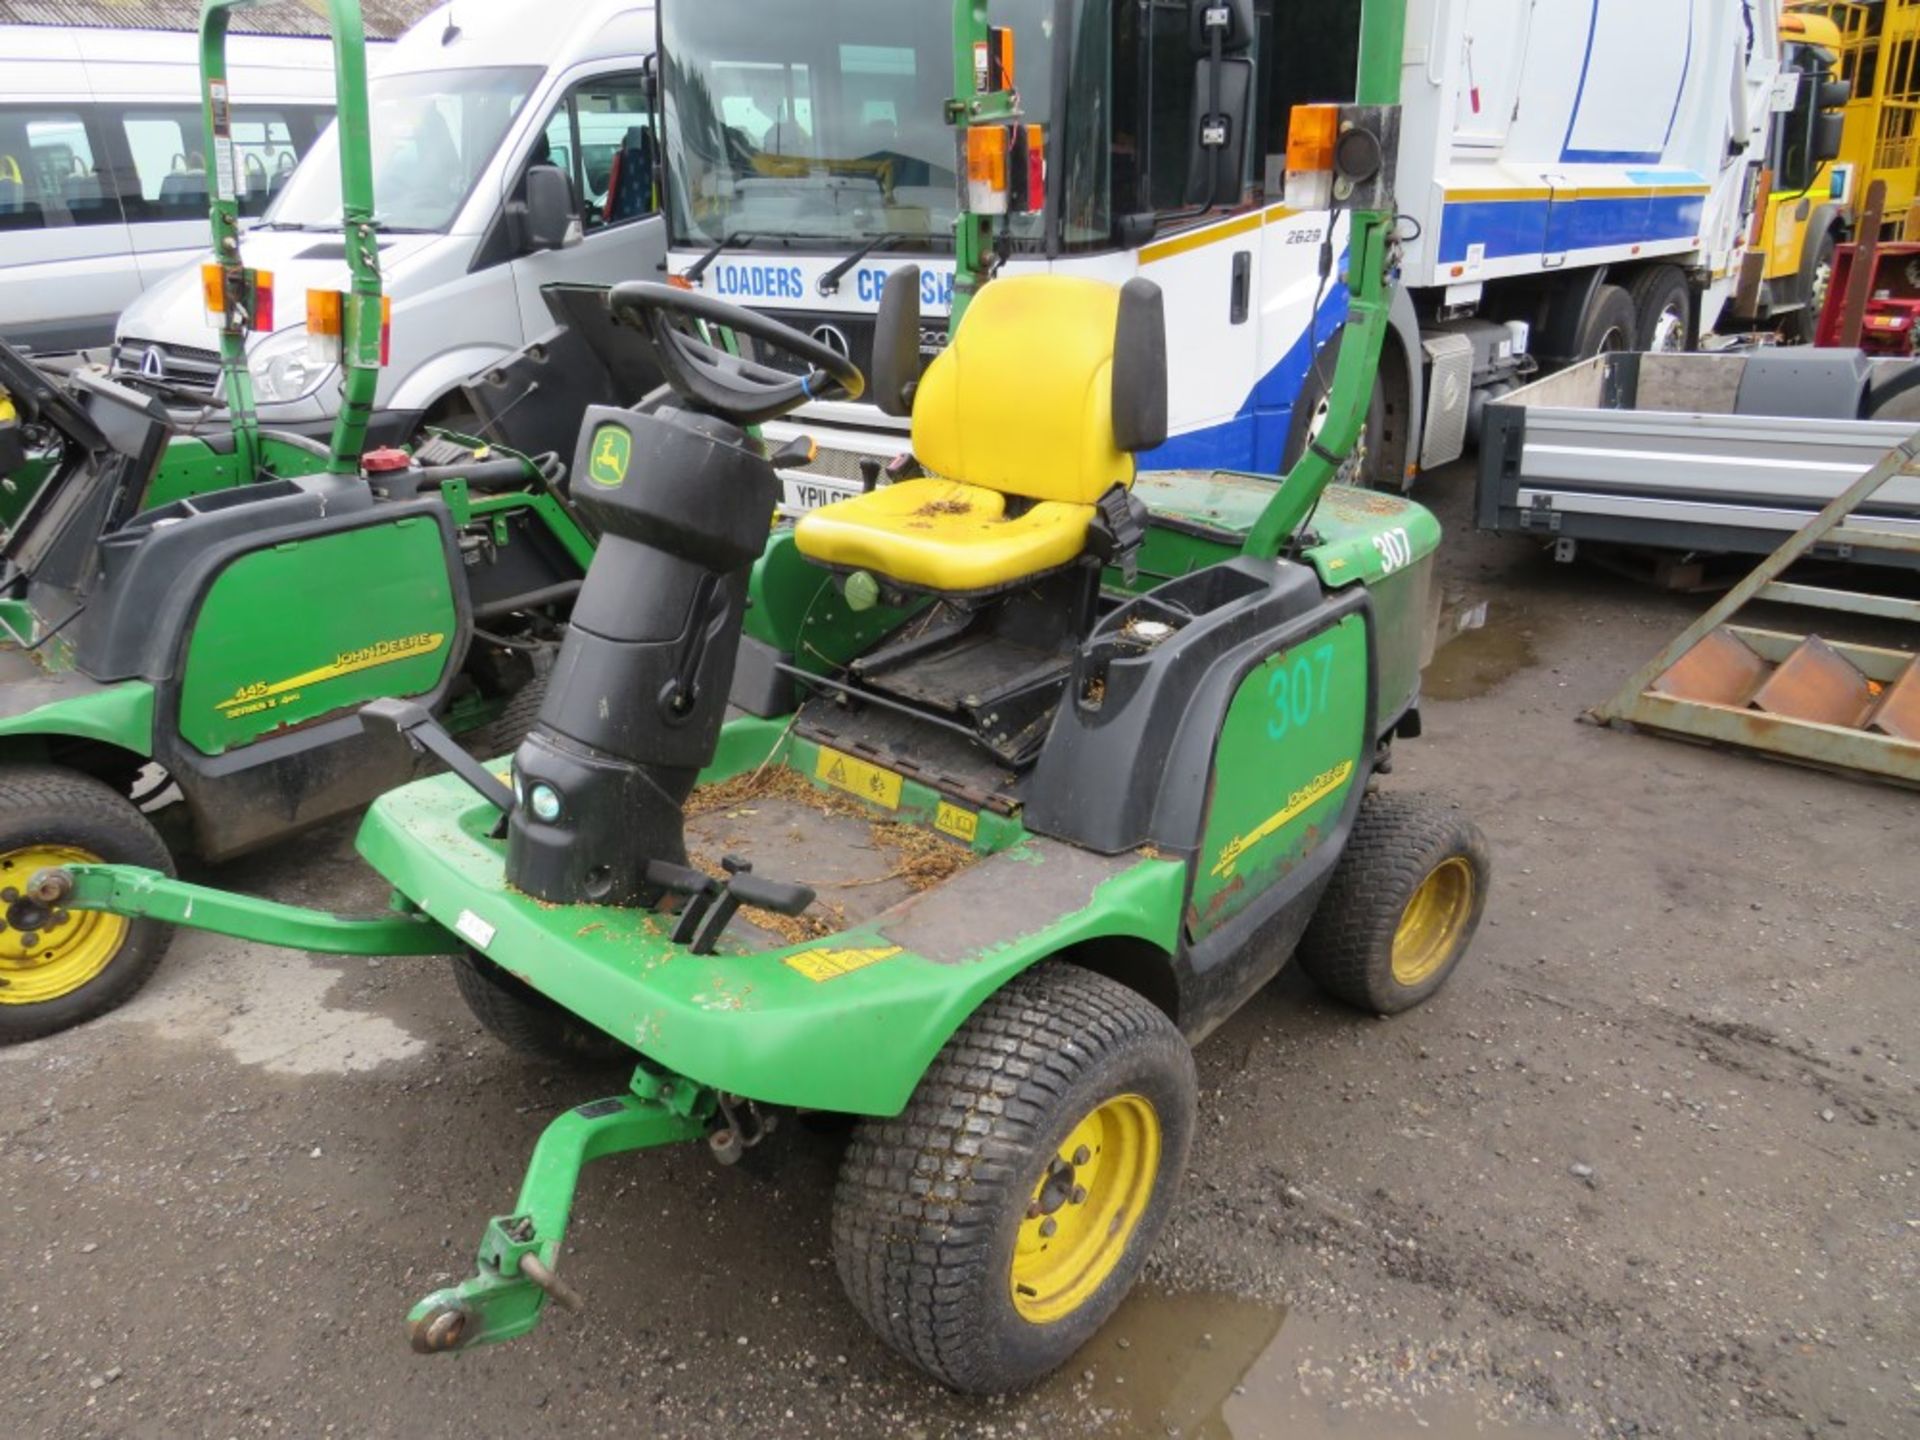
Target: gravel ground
<point>1646,1167</point>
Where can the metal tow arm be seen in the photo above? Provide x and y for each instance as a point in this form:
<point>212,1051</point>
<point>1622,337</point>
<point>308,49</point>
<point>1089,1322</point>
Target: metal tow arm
<point>515,1271</point>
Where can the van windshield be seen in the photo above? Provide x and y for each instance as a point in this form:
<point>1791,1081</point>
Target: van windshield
<point>784,122</point>
<point>433,134</point>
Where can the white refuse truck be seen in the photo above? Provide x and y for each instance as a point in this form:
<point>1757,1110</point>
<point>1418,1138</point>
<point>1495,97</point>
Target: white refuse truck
<point>1575,176</point>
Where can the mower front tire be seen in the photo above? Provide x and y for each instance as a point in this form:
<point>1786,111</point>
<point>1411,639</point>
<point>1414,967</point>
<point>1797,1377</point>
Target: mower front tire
<point>60,967</point>
<point>523,1019</point>
<point>991,1228</point>
<point>1402,907</point>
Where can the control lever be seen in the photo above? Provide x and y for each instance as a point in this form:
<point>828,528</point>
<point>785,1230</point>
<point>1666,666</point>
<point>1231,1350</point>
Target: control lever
<point>412,722</point>
<point>707,612</point>
<point>682,880</point>
<point>796,454</point>
<point>869,473</point>
<point>745,888</point>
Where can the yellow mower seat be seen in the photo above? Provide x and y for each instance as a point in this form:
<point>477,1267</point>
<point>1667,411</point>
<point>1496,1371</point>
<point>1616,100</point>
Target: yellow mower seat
<point>1028,418</point>
<point>943,535</point>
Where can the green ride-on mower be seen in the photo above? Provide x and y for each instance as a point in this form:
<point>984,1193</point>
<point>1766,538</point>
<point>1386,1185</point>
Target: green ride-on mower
<point>211,611</point>
<point>962,808</point>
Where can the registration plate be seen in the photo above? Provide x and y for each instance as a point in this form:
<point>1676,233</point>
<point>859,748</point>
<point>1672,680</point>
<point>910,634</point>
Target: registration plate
<point>802,495</point>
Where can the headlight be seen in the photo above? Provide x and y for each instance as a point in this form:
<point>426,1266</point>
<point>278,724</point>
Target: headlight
<point>283,371</point>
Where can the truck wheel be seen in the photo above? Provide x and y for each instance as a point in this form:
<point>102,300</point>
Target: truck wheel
<point>1402,907</point>
<point>1804,324</point>
<point>523,1019</point>
<point>1663,309</point>
<point>1612,324</point>
<point>988,1230</point>
<point>59,967</point>
<point>1366,465</point>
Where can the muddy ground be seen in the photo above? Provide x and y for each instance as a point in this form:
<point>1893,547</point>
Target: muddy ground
<point>1647,1167</point>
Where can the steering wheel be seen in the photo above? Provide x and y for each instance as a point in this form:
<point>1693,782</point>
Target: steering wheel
<point>717,382</point>
<point>42,401</point>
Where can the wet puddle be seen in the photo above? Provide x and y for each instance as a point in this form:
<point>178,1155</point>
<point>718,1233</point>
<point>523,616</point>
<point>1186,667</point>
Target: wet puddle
<point>1216,1367</point>
<point>1480,649</point>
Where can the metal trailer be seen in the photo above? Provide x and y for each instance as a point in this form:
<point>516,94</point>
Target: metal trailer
<point>1713,454</point>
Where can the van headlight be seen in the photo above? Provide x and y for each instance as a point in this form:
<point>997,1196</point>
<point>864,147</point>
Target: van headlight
<point>283,371</point>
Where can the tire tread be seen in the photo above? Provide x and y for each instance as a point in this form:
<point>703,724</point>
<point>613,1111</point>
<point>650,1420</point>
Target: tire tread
<point>920,1195</point>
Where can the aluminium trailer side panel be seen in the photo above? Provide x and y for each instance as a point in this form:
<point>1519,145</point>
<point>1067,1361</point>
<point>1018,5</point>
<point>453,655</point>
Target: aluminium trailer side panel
<point>1675,479</point>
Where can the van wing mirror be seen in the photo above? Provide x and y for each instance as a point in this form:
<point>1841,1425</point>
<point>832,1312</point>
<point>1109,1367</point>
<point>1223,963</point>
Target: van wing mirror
<point>546,218</point>
<point>895,371</point>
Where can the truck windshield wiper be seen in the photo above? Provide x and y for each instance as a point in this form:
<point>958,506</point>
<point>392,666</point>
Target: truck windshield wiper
<point>829,283</point>
<point>725,242</point>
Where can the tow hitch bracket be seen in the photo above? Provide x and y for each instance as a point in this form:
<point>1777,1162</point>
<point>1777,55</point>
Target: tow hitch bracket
<point>516,1269</point>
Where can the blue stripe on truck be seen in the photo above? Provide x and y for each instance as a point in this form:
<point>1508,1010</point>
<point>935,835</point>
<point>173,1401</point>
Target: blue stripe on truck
<point>1531,227</point>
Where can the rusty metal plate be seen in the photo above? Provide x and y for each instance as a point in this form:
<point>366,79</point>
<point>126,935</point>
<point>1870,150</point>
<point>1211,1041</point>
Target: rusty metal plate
<point>1899,712</point>
<point>1720,670</point>
<point>1816,684</point>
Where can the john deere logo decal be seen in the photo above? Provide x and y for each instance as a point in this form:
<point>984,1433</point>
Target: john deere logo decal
<point>271,694</point>
<point>612,452</point>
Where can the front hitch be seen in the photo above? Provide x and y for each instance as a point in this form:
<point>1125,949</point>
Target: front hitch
<point>516,1268</point>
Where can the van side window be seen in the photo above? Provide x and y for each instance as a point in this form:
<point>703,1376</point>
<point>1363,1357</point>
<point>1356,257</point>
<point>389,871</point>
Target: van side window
<point>48,174</point>
<point>602,137</point>
<point>169,159</point>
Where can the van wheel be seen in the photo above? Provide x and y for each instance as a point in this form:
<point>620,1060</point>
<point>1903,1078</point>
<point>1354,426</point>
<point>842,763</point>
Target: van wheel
<point>1663,309</point>
<point>1402,907</point>
<point>59,967</point>
<point>523,1019</point>
<point>989,1229</point>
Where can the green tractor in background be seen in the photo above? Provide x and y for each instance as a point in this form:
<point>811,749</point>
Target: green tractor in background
<point>963,808</point>
<point>211,610</point>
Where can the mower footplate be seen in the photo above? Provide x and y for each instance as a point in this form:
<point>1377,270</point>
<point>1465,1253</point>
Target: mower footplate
<point>516,1269</point>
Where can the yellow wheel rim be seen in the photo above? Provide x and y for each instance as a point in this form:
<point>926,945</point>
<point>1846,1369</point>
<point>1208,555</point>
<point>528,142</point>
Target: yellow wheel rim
<point>1084,1207</point>
<point>47,952</point>
<point>1434,924</point>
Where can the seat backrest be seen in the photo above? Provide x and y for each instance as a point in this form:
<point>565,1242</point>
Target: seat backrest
<point>630,182</point>
<point>1048,386</point>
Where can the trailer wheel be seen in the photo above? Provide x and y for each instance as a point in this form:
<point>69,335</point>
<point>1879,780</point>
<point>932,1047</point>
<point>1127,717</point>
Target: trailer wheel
<point>1402,906</point>
<point>523,1019</point>
<point>989,1229</point>
<point>59,967</point>
<point>1663,309</point>
<point>1611,325</point>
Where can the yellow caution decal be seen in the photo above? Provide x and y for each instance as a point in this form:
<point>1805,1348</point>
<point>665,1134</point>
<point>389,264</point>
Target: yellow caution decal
<point>960,824</point>
<point>257,696</point>
<point>857,777</point>
<point>821,966</point>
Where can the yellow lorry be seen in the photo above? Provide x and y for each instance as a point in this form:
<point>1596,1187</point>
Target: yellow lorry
<point>1855,120</point>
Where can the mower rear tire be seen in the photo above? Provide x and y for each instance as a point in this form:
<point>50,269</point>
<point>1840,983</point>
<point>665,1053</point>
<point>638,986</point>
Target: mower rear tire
<point>507,729</point>
<point>1402,907</point>
<point>523,1019</point>
<point>991,1228</point>
<point>79,964</point>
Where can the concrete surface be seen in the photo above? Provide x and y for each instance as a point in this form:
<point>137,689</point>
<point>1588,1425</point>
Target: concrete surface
<point>1646,1167</point>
